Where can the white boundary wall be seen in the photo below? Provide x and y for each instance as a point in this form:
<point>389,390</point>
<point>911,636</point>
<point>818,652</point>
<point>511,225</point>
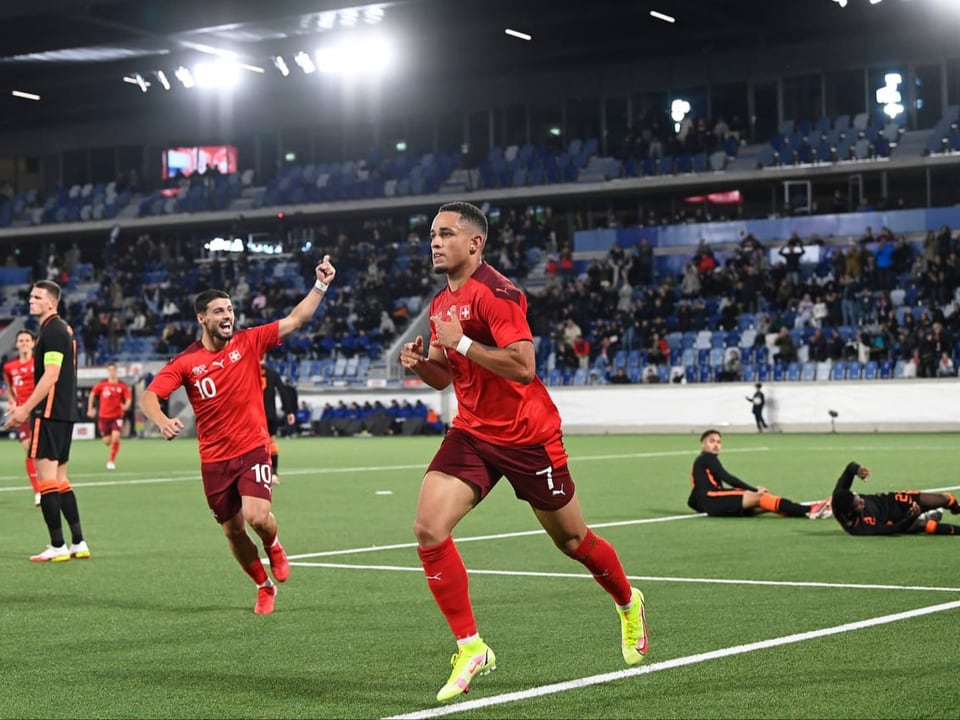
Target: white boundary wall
<point>864,406</point>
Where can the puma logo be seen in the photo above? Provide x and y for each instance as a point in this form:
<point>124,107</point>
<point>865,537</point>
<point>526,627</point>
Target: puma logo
<point>218,363</point>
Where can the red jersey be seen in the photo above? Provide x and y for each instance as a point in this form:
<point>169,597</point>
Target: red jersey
<point>225,391</point>
<point>112,397</point>
<point>19,376</point>
<point>493,312</point>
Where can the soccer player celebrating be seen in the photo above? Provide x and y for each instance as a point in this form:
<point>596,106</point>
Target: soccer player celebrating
<point>221,374</point>
<point>506,425</point>
<point>890,513</point>
<point>19,376</point>
<point>115,399</point>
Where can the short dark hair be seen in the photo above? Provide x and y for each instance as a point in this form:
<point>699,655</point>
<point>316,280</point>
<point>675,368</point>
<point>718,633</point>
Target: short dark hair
<point>842,503</point>
<point>111,364</point>
<point>204,299</point>
<point>51,287</point>
<point>711,431</point>
<point>469,212</point>
<point>24,331</point>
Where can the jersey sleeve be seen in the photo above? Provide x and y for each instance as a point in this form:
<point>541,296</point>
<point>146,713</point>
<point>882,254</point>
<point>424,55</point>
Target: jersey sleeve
<point>167,380</point>
<point>721,474</point>
<point>505,310</point>
<point>845,481</point>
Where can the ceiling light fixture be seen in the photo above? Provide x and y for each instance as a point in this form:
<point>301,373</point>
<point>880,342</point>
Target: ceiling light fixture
<point>25,95</point>
<point>162,79</point>
<point>662,16</point>
<point>517,34</point>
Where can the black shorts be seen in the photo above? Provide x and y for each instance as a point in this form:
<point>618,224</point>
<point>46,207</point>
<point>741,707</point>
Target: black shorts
<point>51,440</point>
<point>729,504</point>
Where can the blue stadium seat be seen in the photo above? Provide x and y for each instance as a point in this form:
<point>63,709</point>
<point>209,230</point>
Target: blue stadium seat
<point>870,370</point>
<point>793,372</point>
<point>839,370</point>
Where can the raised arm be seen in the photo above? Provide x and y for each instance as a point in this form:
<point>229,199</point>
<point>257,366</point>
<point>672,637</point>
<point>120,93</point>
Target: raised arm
<point>305,309</point>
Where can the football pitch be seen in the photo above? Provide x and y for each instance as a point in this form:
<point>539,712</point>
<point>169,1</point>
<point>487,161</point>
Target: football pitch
<point>763,617</point>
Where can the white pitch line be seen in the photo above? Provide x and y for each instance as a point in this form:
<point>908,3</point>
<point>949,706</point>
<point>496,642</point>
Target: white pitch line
<point>342,470</point>
<point>499,536</point>
<point>644,578</point>
<point>604,678</point>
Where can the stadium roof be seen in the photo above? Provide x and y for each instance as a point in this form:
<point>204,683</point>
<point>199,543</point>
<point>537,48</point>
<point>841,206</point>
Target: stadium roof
<point>74,54</point>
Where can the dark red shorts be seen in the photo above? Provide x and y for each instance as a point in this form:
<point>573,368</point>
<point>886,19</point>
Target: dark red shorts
<point>108,425</point>
<point>538,473</point>
<point>226,482</point>
<point>25,431</point>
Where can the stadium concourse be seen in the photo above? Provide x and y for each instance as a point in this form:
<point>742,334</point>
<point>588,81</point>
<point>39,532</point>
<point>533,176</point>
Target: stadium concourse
<point>852,164</point>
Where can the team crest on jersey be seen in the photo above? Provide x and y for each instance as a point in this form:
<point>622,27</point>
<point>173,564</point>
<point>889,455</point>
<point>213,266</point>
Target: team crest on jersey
<point>235,356</point>
<point>464,312</point>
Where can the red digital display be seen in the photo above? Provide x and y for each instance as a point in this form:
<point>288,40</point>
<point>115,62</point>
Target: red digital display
<point>189,160</point>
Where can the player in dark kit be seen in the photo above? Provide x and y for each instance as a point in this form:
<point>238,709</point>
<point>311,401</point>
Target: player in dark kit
<point>890,513</point>
<point>272,386</point>
<point>709,494</point>
<point>52,408</point>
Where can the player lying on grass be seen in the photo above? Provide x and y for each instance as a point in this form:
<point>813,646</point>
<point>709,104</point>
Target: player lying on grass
<point>903,511</point>
<point>709,492</point>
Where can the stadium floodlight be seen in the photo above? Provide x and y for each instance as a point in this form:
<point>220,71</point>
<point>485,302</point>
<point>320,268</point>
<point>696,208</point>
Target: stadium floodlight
<point>662,16</point>
<point>678,111</point>
<point>371,55</point>
<point>373,14</point>
<point>25,95</point>
<point>185,77</point>
<point>280,64</point>
<point>305,62</point>
<point>841,3</point>
<point>216,74</point>
<point>137,80</point>
<point>162,79</point>
<point>517,34</point>
<point>349,17</point>
<point>889,95</point>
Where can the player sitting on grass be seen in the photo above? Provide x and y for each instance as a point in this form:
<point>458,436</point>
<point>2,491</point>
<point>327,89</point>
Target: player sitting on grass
<point>709,495</point>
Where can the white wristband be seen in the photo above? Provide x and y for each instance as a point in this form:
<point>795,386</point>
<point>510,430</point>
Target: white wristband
<point>464,345</point>
<point>320,286</point>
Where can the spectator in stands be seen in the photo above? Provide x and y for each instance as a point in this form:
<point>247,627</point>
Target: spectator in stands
<point>945,368</point>
<point>690,284</point>
<point>581,351</point>
<point>732,367</point>
<point>303,417</point>
<point>619,377</point>
<point>659,351</point>
<point>787,352</point>
<point>792,252</point>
